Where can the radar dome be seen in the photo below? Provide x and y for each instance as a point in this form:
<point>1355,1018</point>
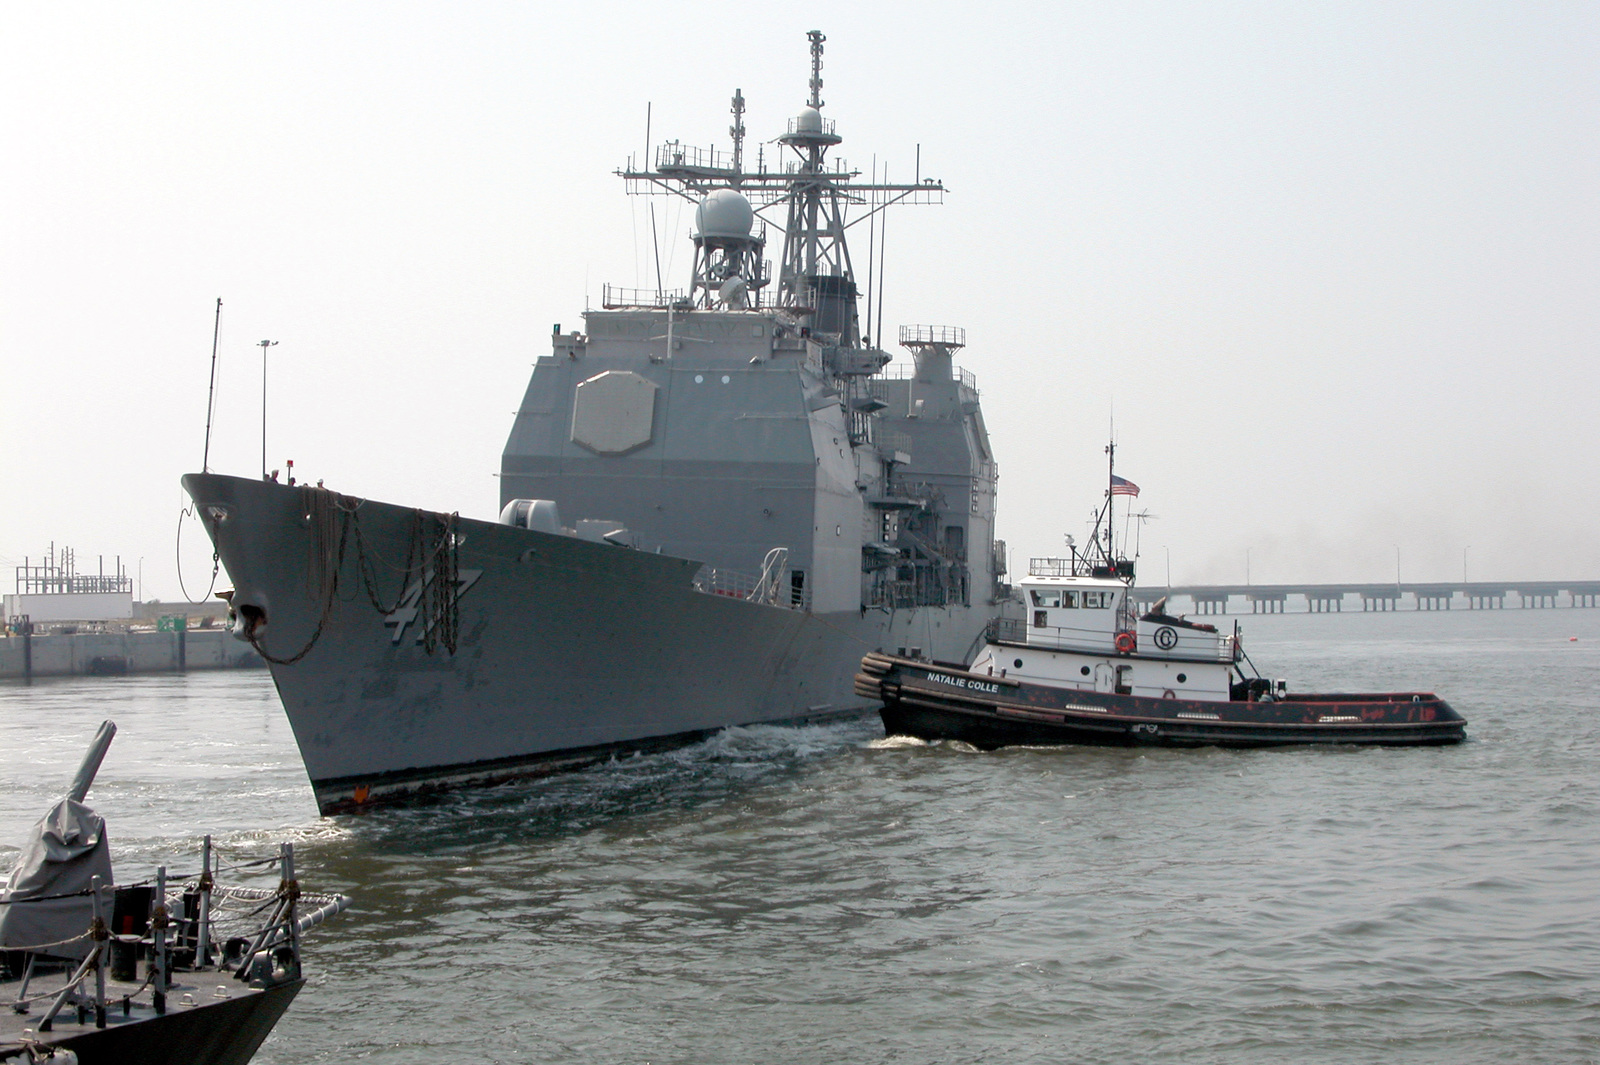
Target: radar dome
<point>810,121</point>
<point>724,215</point>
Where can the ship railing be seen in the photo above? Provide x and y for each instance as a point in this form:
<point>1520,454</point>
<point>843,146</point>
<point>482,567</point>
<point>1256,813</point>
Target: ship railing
<point>674,155</point>
<point>1064,636</point>
<point>948,336</point>
<point>824,126</point>
<point>898,593</point>
<point>1077,566</point>
<point>1220,647</point>
<point>737,584</point>
<point>901,371</point>
<point>613,298</point>
<point>1007,630</point>
<point>192,928</point>
<point>768,585</point>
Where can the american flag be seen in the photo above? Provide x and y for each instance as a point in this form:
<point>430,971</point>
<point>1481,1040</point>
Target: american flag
<point>1122,487</point>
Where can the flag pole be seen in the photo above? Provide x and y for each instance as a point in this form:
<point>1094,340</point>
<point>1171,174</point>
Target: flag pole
<point>1111,498</point>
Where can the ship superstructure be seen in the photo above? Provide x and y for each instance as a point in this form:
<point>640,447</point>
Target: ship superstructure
<point>714,500</point>
<point>742,413</point>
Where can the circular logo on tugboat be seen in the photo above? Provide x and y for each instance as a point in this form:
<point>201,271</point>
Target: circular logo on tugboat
<point>1166,637</point>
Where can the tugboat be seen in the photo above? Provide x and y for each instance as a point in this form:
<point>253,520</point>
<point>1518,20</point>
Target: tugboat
<point>751,482</point>
<point>220,964</point>
<point>1084,667</point>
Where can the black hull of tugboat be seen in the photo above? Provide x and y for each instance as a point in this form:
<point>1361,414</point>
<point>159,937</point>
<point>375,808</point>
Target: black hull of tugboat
<point>934,703</point>
<point>212,1033</point>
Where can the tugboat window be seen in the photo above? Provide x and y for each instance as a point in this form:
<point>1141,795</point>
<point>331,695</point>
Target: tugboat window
<point>1084,670</point>
<point>1052,599</point>
<point>1070,600</point>
<point>1183,678</point>
<point>1017,663</point>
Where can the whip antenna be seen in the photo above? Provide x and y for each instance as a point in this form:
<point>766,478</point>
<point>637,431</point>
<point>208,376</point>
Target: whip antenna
<point>211,392</point>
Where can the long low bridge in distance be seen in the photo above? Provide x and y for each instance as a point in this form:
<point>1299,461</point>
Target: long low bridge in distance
<point>1332,598</point>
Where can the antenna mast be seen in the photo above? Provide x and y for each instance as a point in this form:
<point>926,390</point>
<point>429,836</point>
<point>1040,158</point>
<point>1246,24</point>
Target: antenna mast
<point>211,391</point>
<point>737,131</point>
<point>1111,498</point>
<point>811,196</point>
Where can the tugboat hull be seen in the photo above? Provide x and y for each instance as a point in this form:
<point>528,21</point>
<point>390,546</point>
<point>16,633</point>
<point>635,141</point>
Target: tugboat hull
<point>932,702</point>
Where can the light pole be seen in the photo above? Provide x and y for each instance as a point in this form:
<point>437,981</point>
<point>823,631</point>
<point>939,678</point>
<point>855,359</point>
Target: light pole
<point>1168,551</point>
<point>264,345</point>
<point>1464,551</point>
<point>1247,567</point>
<point>1397,567</point>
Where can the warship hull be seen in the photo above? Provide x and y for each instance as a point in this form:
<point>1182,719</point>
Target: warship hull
<point>548,651</point>
<point>744,424</point>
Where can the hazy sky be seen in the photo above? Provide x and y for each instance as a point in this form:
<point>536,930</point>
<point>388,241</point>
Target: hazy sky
<point>1335,267</point>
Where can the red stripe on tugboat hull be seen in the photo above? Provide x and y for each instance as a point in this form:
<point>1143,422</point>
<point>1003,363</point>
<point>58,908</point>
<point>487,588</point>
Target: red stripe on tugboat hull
<point>939,703</point>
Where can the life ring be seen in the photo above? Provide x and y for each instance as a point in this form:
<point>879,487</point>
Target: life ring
<point>1126,643</point>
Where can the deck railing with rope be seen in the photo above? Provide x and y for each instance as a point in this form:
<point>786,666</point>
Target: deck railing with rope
<point>259,953</point>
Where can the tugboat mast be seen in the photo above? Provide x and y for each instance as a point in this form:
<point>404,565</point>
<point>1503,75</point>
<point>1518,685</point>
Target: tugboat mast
<point>1111,498</point>
<point>1103,537</point>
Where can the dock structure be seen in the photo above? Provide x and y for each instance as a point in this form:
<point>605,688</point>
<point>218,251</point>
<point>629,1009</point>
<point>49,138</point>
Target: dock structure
<point>1331,598</point>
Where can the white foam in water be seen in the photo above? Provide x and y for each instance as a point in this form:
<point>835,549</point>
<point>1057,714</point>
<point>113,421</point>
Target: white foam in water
<point>889,743</point>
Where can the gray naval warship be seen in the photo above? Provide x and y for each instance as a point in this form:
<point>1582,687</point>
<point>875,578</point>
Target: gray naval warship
<point>756,499</point>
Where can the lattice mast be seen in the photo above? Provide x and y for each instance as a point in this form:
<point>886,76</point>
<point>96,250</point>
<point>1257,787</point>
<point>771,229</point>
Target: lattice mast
<point>816,280</point>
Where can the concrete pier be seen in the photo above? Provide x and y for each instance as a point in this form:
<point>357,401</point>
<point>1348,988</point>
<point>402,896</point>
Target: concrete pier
<point>1325,603</point>
<point>27,655</point>
<point>1266,602</point>
<point>1434,597</point>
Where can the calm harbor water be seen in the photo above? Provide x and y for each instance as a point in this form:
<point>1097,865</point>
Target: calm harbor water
<point>826,895</point>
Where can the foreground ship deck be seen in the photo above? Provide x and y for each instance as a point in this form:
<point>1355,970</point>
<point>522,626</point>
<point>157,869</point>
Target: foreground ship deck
<point>158,972</point>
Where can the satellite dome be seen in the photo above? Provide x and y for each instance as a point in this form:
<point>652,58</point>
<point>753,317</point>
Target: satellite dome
<point>810,121</point>
<point>724,215</point>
